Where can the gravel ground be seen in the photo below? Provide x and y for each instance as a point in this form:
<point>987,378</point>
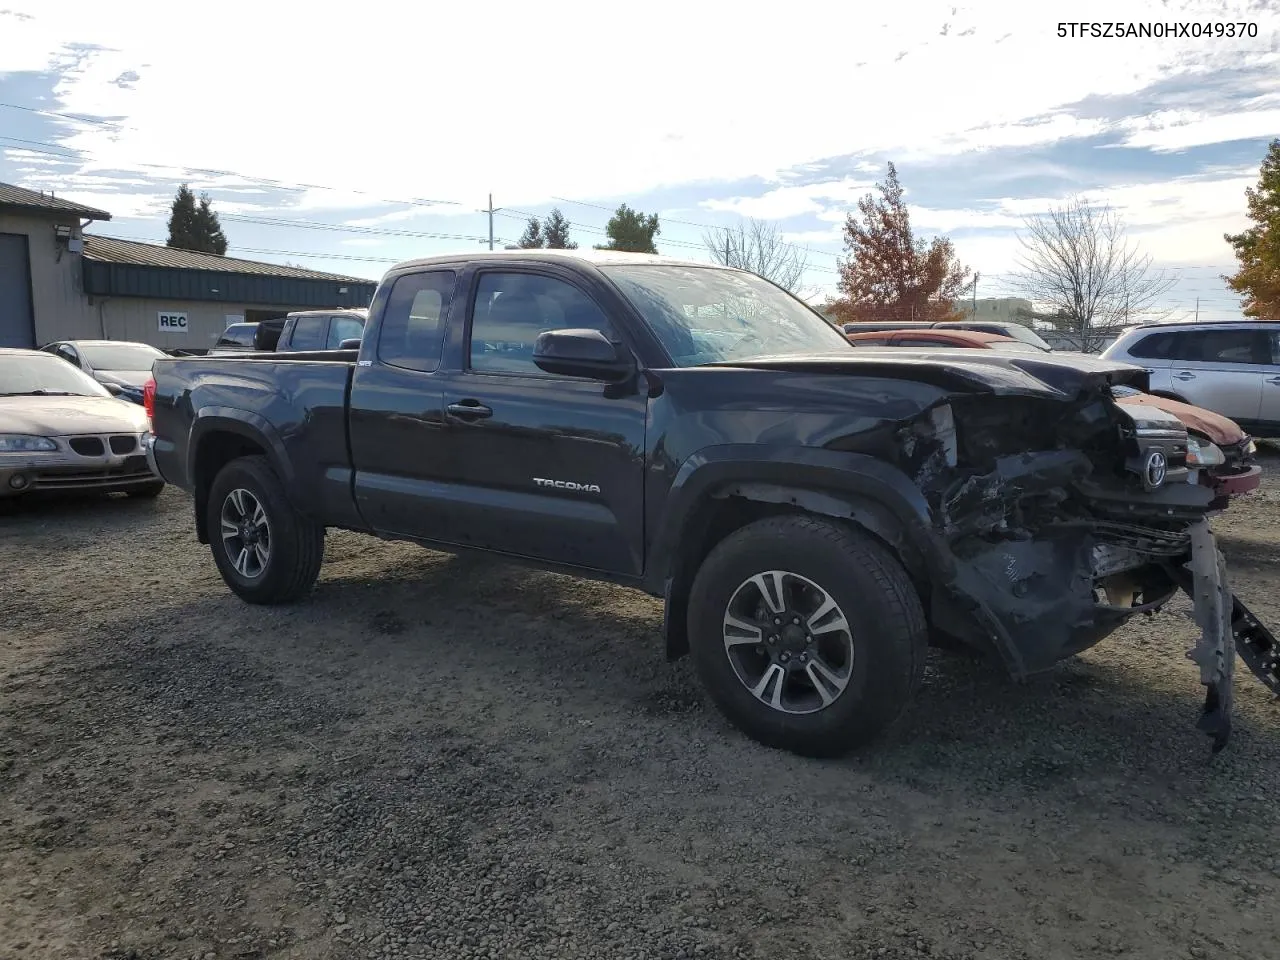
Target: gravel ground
<point>434,757</point>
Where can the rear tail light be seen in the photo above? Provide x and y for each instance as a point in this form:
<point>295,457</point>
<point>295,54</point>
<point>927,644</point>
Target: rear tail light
<point>149,398</point>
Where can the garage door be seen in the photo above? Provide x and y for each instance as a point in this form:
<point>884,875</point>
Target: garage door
<point>17,326</point>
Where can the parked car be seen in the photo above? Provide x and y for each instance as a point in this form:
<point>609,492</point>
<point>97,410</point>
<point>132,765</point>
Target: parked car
<point>62,430</point>
<point>806,511</point>
<point>322,330</point>
<point>1015,331</point>
<point>121,366</point>
<point>256,337</point>
<point>931,337</point>
<point>1231,367</point>
<point>1219,453</point>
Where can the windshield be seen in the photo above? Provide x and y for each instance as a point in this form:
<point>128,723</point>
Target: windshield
<point>1021,346</point>
<point>42,374</point>
<point>119,356</point>
<point>1026,335</point>
<point>711,315</point>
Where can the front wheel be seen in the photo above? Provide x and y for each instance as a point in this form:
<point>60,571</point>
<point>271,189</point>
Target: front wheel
<point>807,634</point>
<point>265,550</point>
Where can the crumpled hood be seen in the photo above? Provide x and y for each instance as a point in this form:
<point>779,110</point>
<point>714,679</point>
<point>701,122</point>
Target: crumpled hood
<point>1219,429</point>
<point>126,378</point>
<point>976,371</point>
<point>64,416</point>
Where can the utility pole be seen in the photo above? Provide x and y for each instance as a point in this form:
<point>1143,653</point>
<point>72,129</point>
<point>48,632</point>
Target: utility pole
<point>491,211</point>
<point>975,294</point>
<point>1197,309</point>
<point>727,262</point>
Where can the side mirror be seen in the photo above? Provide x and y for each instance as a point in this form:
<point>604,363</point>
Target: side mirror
<point>114,389</point>
<point>581,353</point>
<point>352,343</point>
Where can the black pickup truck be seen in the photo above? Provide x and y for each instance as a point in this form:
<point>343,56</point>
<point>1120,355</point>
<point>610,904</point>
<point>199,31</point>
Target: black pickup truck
<point>811,517</point>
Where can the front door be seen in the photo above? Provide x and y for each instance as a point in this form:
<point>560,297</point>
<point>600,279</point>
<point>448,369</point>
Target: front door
<point>550,467</point>
<point>17,319</point>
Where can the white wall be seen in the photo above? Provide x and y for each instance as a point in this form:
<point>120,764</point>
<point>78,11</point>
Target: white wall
<point>128,318</point>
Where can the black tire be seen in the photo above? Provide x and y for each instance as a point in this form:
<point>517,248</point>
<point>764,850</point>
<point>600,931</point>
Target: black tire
<point>888,635</point>
<point>296,544</point>
<point>149,492</point>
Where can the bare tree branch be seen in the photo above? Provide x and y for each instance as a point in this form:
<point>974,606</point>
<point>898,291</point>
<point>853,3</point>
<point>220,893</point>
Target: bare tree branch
<point>757,245</point>
<point>1077,262</point>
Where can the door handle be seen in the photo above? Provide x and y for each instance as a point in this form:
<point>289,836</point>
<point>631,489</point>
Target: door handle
<point>1275,380</point>
<point>469,410</point>
<point>1184,375</point>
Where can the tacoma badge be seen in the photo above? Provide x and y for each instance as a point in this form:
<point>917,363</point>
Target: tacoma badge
<point>567,485</point>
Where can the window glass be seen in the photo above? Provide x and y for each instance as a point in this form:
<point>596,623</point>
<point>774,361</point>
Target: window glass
<point>1223,346</point>
<point>68,354</point>
<point>1157,346</point>
<point>922,342</point>
<point>343,328</point>
<point>412,329</point>
<point>511,309</point>
<point>716,315</point>
<point>238,334</point>
<point>308,333</point>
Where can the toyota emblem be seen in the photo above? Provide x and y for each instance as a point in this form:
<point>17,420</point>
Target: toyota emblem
<point>1156,469</point>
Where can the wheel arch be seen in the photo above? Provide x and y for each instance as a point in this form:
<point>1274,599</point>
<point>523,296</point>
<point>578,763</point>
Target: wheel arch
<point>220,435</point>
<point>874,497</point>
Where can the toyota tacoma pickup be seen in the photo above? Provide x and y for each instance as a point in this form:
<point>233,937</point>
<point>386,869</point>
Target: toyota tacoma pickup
<point>811,517</point>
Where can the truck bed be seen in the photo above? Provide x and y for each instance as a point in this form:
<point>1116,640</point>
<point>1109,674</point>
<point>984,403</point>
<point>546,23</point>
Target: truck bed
<point>298,403</point>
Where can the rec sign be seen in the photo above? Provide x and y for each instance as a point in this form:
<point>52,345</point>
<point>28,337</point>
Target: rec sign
<point>173,322</point>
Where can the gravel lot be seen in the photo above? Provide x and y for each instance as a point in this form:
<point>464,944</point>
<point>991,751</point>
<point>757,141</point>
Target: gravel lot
<point>442,758</point>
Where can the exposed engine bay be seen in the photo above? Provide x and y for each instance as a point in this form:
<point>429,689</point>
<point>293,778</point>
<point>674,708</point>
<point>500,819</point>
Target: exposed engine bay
<point>1066,518</point>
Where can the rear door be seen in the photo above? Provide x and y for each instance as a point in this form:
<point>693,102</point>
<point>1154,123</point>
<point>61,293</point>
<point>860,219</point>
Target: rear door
<point>1269,415</point>
<point>542,466</point>
<point>1222,369</point>
<point>396,413</point>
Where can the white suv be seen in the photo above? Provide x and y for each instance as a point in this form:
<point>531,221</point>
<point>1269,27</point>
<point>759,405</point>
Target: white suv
<point>1230,367</point>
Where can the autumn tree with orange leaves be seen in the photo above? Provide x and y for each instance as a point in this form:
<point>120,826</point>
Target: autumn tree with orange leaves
<point>891,274</point>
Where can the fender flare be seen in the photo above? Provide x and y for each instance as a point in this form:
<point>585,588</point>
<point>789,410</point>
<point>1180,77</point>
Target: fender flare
<point>853,487</point>
<point>243,423</point>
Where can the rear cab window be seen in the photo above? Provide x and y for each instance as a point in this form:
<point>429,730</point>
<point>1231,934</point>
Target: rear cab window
<point>411,334</point>
<point>308,333</point>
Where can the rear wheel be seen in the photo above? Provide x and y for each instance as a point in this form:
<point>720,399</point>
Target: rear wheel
<point>265,550</point>
<point>807,634</point>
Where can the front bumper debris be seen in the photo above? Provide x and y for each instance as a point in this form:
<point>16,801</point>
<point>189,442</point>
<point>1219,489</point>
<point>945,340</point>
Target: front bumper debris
<point>1220,615</point>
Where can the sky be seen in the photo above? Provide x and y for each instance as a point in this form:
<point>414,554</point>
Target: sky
<point>347,138</point>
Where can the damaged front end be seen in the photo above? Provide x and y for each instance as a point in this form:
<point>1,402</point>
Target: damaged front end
<point>1064,518</point>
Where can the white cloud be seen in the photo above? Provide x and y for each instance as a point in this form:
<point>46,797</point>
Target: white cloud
<point>793,201</point>
<point>1168,132</point>
<point>193,105</point>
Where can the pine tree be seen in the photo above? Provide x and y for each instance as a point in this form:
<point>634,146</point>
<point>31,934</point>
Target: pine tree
<point>195,226</point>
<point>532,238</point>
<point>1258,248</point>
<point>631,231</point>
<point>212,239</point>
<point>183,233</point>
<point>556,231</point>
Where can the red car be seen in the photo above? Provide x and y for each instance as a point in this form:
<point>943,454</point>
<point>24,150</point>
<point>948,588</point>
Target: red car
<point>1223,453</point>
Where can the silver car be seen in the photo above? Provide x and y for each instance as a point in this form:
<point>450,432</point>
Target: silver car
<point>62,430</point>
<point>1231,367</point>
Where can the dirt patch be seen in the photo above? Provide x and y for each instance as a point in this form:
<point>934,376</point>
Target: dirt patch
<point>434,757</point>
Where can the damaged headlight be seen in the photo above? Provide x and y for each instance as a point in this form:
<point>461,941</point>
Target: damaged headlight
<point>1202,453</point>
